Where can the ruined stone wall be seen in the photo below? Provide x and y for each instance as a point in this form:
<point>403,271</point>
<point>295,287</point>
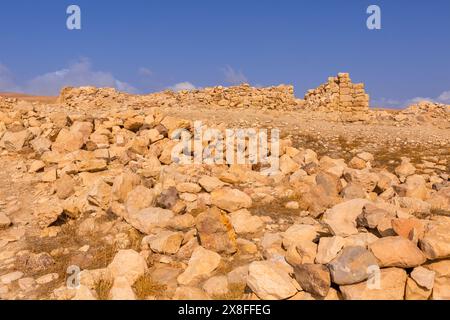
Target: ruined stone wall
<point>7,103</point>
<point>242,96</point>
<point>339,94</point>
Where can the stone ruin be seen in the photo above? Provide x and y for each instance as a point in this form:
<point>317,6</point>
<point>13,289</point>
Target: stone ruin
<point>339,98</point>
<point>242,96</point>
<point>340,95</point>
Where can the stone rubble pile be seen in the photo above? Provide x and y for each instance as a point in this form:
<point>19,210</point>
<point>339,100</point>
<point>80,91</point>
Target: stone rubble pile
<point>317,228</point>
<point>242,96</point>
<point>340,95</point>
<point>424,111</point>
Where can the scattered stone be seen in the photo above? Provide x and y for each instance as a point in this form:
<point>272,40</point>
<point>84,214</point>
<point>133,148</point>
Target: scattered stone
<point>11,277</point>
<point>389,285</point>
<point>216,232</point>
<point>397,252</point>
<point>341,219</point>
<point>166,242</point>
<point>270,282</point>
<point>423,277</point>
<point>313,278</point>
<point>352,265</point>
<point>230,200</point>
<point>216,286</point>
<point>244,222</point>
<point>127,264</point>
<point>202,263</point>
<point>328,249</point>
<point>436,240</point>
<point>5,222</point>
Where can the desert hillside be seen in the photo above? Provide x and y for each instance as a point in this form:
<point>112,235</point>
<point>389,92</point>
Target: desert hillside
<point>108,195</point>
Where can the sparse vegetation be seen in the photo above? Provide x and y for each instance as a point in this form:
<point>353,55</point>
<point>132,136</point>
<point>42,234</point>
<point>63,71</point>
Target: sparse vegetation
<point>146,286</point>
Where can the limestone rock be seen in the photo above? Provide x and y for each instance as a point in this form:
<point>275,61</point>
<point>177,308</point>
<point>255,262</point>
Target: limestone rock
<point>244,222</point>
<point>441,287</point>
<point>216,286</point>
<point>150,219</point>
<point>5,222</point>
<point>216,232</point>
<point>127,264</point>
<point>210,183</point>
<point>436,240</point>
<point>415,292</point>
<point>352,265</point>
<point>389,285</point>
<point>328,249</point>
<point>100,194</point>
<point>166,242</point>
<point>269,282</point>
<point>202,263</point>
<point>423,277</point>
<point>65,186</point>
<point>313,278</point>
<point>123,185</point>
<point>298,234</point>
<point>230,199</point>
<point>397,252</point>
<point>139,198</point>
<point>121,290</point>
<point>341,219</point>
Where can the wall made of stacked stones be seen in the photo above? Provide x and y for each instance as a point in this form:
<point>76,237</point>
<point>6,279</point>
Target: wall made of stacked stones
<point>243,96</point>
<point>339,94</point>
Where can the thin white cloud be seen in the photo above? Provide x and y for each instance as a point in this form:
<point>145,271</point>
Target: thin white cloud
<point>234,77</point>
<point>7,83</point>
<point>145,72</point>
<point>443,98</point>
<point>183,86</point>
<point>77,74</point>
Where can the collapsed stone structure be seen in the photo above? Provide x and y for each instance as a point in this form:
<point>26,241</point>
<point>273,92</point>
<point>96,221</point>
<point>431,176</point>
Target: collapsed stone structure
<point>198,233</point>
<point>339,94</point>
<point>242,96</point>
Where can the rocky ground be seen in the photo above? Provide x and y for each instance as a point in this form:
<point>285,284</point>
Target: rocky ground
<point>358,210</point>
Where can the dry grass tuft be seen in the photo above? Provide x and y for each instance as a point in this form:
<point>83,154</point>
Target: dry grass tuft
<point>145,286</point>
<point>103,289</point>
<point>236,291</point>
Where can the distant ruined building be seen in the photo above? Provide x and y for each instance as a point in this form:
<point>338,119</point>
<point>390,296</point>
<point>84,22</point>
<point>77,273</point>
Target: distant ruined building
<point>340,95</point>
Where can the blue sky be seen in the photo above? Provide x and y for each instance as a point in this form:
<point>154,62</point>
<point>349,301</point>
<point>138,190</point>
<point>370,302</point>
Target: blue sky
<point>149,45</point>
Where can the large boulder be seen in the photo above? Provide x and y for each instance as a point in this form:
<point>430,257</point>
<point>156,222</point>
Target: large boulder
<point>436,240</point>
<point>151,219</point>
<point>441,286</point>
<point>230,199</point>
<point>202,263</point>
<point>389,284</point>
<point>244,222</point>
<point>215,231</point>
<point>313,278</point>
<point>352,265</point>
<point>329,248</point>
<point>139,198</point>
<point>270,282</point>
<point>127,264</point>
<point>397,252</point>
<point>166,242</point>
<point>341,219</point>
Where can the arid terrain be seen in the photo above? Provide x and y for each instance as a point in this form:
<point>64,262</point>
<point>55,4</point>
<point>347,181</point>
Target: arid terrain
<point>93,205</point>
